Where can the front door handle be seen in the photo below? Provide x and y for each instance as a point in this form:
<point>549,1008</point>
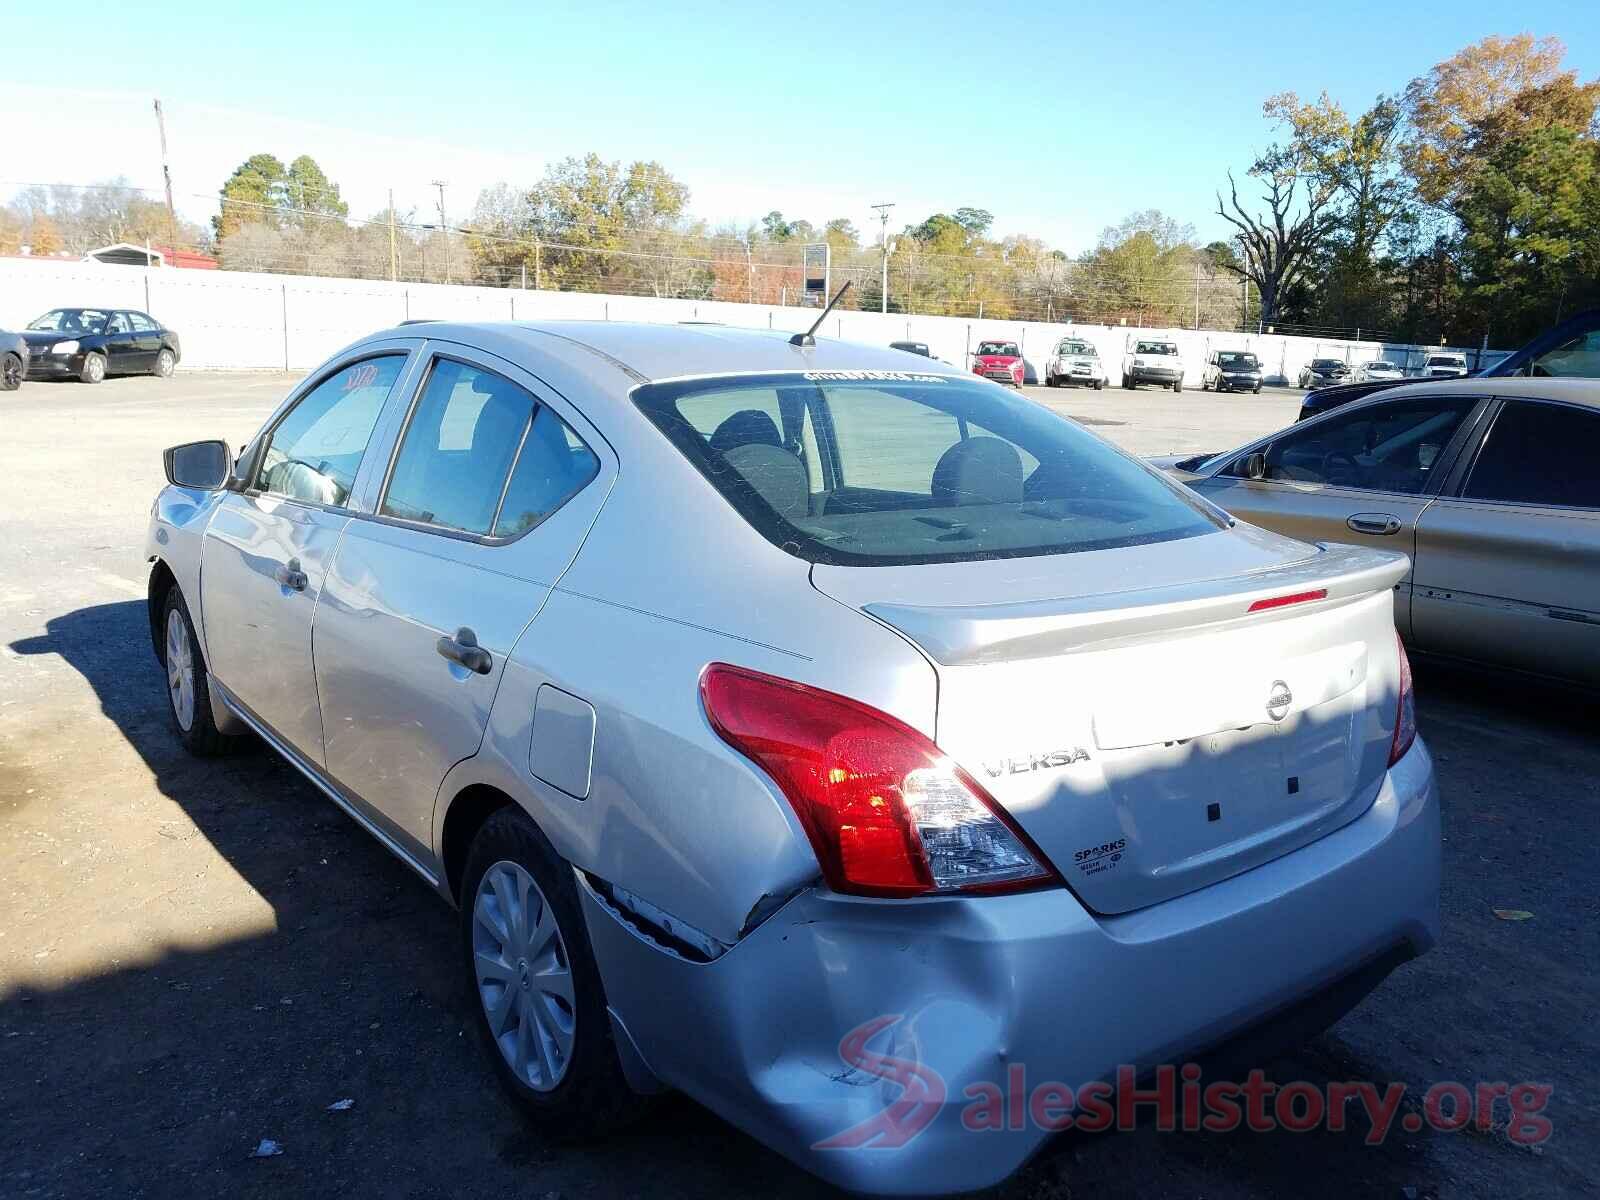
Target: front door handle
<point>290,575</point>
<point>1376,524</point>
<point>464,649</point>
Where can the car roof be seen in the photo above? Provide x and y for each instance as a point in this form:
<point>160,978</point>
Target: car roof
<point>1573,391</point>
<point>649,352</point>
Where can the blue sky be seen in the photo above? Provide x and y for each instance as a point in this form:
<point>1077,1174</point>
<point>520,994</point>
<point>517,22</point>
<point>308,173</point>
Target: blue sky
<point>1058,120</point>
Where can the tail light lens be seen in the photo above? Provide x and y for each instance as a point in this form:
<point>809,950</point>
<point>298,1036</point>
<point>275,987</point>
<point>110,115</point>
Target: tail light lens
<point>1405,718</point>
<point>886,812</point>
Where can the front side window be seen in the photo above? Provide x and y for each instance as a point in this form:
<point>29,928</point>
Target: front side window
<point>917,469</point>
<point>1539,454</point>
<point>315,450</point>
<point>1383,447</point>
<point>481,456</point>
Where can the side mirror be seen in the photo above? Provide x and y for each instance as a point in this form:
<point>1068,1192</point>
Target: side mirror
<point>204,465</point>
<point>1255,467</point>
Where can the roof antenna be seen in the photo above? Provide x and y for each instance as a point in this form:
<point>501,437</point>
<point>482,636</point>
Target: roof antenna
<point>807,338</point>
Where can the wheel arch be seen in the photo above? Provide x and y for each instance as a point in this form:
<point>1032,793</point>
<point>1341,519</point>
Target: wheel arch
<point>162,581</point>
<point>464,816</point>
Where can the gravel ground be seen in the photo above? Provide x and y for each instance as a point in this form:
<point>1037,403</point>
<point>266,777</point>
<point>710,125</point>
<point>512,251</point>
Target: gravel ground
<point>195,956</point>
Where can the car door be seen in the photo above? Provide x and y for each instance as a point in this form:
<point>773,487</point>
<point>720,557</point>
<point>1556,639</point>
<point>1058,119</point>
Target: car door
<point>146,339</point>
<point>1508,569</point>
<point>122,346</point>
<point>268,546</point>
<point>1361,475</point>
<point>488,496</point>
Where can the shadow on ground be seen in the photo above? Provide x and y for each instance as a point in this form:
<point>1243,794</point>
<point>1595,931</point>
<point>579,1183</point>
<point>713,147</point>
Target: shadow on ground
<point>158,1080</point>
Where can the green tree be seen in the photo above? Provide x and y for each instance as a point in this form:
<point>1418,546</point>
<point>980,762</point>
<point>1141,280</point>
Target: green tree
<point>252,195</point>
<point>308,193</point>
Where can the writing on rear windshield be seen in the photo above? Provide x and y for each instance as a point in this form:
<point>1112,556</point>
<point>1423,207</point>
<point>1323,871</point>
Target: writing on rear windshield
<point>884,376</point>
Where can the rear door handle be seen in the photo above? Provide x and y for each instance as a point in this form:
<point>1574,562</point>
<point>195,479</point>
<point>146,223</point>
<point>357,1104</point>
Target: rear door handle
<point>290,575</point>
<point>464,649</point>
<point>1377,524</point>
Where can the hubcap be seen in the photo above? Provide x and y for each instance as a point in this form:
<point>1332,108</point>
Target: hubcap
<point>524,975</point>
<point>180,670</point>
<point>164,363</point>
<point>13,369</point>
<point>97,368</point>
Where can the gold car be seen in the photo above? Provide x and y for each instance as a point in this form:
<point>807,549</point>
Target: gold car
<point>1492,486</point>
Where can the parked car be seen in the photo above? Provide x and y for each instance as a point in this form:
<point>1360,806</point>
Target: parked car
<point>1000,361</point>
<point>1232,371</point>
<point>1445,366</point>
<point>1489,486</point>
<point>1378,369</point>
<point>13,360</point>
<point>90,343</point>
<point>1571,348</point>
<point>1154,360</point>
<point>1075,362</point>
<point>1323,372</point>
<point>913,348</point>
<point>738,823</point>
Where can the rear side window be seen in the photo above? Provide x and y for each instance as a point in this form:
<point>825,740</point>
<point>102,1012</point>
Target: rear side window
<point>143,324</point>
<point>315,450</point>
<point>1540,454</point>
<point>481,456</point>
<point>913,468</point>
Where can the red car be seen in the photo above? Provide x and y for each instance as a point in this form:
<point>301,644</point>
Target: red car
<point>999,361</point>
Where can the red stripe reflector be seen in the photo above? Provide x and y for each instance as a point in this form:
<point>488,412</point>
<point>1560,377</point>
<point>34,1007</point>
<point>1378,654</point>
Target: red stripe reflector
<point>1292,598</point>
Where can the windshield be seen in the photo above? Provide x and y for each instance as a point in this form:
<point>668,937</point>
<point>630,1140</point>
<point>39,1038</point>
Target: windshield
<point>912,468</point>
<point>999,348</point>
<point>1232,358</point>
<point>1326,364</point>
<point>1445,360</point>
<point>1080,349</point>
<point>1382,365</point>
<point>1155,348</point>
<point>72,320</point>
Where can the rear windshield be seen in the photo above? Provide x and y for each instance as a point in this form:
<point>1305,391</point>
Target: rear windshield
<point>875,468</point>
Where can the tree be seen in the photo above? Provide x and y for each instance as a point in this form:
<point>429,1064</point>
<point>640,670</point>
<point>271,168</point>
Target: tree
<point>1279,244</point>
<point>1446,106</point>
<point>308,192</point>
<point>43,237</point>
<point>251,195</point>
<point>1143,268</point>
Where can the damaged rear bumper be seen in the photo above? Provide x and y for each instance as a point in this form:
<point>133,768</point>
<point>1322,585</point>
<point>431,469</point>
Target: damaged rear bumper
<point>962,992</point>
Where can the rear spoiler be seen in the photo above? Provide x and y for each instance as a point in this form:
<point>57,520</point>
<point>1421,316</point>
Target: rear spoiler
<point>971,634</point>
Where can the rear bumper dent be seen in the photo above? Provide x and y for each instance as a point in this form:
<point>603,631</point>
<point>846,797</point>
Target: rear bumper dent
<point>978,987</point>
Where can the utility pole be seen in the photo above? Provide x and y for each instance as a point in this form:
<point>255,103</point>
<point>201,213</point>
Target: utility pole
<point>1197,295</point>
<point>883,237</point>
<point>166,175</point>
<point>443,228</point>
<point>394,260</point>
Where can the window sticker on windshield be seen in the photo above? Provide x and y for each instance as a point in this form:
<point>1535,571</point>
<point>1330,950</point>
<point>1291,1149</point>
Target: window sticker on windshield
<point>872,376</point>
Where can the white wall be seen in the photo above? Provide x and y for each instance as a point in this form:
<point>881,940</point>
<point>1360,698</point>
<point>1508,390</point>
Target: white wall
<point>238,320</point>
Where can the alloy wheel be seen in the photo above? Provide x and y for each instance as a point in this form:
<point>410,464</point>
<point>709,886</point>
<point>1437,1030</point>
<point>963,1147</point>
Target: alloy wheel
<point>180,670</point>
<point>524,975</point>
<point>13,372</point>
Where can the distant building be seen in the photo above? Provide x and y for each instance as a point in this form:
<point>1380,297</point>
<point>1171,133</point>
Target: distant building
<point>126,254</point>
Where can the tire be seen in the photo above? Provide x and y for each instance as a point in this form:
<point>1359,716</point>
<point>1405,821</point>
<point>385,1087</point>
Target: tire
<point>93,369</point>
<point>585,1095</point>
<point>1050,381</point>
<point>1177,385</point>
<point>1130,385</point>
<point>1258,389</point>
<point>11,372</point>
<point>1099,385</point>
<point>164,364</point>
<point>189,683</point>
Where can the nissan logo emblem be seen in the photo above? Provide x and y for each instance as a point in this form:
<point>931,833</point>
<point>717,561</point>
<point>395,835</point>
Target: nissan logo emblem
<point>1278,700</point>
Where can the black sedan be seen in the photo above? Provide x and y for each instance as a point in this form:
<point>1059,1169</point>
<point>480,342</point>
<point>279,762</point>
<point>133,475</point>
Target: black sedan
<point>91,343</point>
<point>13,360</point>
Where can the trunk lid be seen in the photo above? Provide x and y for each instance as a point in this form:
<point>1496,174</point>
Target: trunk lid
<point>1149,733</point>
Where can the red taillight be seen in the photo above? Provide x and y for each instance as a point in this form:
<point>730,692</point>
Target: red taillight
<point>886,812</point>
<point>1405,717</point>
<point>1292,598</point>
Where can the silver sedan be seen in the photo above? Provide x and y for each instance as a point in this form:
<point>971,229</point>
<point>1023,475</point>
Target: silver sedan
<point>1488,485</point>
<point>793,724</point>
